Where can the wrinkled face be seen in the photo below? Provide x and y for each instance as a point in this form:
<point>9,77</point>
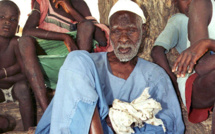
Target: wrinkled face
<point>9,17</point>
<point>183,6</point>
<point>125,34</point>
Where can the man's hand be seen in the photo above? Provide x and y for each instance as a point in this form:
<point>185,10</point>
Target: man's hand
<point>189,57</point>
<point>69,42</point>
<point>64,3</point>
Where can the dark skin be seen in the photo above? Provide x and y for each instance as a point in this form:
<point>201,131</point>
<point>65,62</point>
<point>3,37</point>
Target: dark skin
<point>77,11</point>
<point>159,57</point>
<point>158,52</point>
<point>200,43</point>
<point>196,56</point>
<point>121,33</point>
<point>10,59</point>
<point>73,11</point>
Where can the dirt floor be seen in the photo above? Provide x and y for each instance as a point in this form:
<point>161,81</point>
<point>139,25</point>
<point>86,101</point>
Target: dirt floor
<point>12,109</point>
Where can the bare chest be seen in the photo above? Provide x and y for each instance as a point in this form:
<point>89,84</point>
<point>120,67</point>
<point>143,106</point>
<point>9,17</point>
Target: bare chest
<point>7,56</point>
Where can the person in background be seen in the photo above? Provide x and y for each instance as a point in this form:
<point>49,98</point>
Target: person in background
<point>199,56</point>
<point>54,28</point>
<point>173,35</point>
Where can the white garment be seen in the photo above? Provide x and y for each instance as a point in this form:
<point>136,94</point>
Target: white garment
<point>8,94</point>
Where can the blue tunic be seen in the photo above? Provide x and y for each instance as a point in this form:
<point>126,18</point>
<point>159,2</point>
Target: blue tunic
<point>85,81</point>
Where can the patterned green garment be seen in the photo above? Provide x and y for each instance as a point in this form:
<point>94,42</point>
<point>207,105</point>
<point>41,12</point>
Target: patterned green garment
<point>56,54</point>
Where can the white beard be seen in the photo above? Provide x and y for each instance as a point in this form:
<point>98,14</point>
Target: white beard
<point>127,57</point>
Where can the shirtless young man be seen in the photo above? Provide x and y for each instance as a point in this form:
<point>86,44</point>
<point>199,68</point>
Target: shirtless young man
<point>11,76</point>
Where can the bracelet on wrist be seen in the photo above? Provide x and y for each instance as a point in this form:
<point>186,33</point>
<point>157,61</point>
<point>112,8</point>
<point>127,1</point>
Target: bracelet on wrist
<point>5,72</point>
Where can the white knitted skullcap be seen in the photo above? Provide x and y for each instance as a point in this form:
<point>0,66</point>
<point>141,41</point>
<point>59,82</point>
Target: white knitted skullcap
<point>126,5</point>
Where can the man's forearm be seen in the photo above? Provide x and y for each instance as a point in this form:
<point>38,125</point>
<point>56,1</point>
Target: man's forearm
<point>44,34</point>
<point>159,57</point>
<point>80,10</point>
<point>10,71</point>
<point>76,15</point>
<point>13,79</point>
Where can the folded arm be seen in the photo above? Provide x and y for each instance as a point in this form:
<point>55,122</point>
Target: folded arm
<point>159,57</point>
<point>78,9</point>
<point>10,71</point>
<point>206,64</point>
<point>13,79</point>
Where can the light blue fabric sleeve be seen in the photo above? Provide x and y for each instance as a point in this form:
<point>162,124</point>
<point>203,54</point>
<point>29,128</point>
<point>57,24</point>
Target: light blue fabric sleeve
<point>168,38</point>
<point>174,33</point>
<point>78,90</point>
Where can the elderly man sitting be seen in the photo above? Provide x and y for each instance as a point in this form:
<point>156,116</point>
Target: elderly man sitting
<point>89,83</point>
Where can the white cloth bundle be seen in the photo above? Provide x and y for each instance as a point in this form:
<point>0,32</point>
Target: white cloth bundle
<point>139,111</point>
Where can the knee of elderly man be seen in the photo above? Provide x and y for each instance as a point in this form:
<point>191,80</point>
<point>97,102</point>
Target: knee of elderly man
<point>203,91</point>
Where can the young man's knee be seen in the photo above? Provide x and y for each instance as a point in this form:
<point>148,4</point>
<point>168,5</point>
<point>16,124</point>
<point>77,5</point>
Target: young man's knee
<point>209,77</point>
<point>86,25</point>
<point>203,90</point>
<point>212,77</point>
<point>26,41</point>
<point>21,91</point>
